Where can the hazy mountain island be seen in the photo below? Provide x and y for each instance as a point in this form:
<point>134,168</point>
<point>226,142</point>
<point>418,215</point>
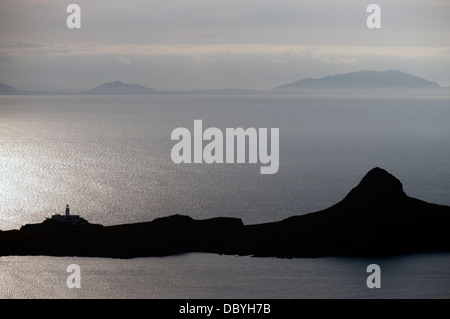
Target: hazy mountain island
<point>363,80</point>
<point>6,89</point>
<point>120,88</point>
<point>376,218</point>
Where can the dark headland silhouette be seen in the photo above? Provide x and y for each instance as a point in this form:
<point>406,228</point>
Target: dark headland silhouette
<point>375,219</point>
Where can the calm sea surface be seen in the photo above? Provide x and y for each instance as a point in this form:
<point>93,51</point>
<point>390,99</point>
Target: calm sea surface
<point>209,276</point>
<point>108,157</point>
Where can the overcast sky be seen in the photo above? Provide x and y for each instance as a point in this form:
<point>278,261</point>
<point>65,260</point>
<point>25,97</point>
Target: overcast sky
<point>207,44</point>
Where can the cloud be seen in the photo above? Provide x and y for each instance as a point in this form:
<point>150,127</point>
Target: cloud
<point>208,35</point>
<point>330,53</point>
<point>123,60</point>
<point>21,45</point>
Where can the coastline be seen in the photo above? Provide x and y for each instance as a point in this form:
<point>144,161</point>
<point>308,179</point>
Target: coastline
<point>375,219</point>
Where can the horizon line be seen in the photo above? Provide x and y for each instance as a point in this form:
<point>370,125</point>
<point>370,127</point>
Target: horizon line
<point>66,91</point>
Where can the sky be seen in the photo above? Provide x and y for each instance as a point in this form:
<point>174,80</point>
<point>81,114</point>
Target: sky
<point>212,44</point>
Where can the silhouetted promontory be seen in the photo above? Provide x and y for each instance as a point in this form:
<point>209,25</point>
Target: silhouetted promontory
<point>375,219</point>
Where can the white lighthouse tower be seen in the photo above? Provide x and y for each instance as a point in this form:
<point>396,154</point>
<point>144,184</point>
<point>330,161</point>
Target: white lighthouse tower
<point>67,218</point>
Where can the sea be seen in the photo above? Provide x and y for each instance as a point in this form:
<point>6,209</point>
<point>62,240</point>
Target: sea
<point>109,158</point>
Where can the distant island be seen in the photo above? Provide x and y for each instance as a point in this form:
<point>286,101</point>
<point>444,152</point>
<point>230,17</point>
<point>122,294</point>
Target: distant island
<point>375,219</point>
<point>362,80</point>
<point>6,89</point>
<point>120,88</point>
